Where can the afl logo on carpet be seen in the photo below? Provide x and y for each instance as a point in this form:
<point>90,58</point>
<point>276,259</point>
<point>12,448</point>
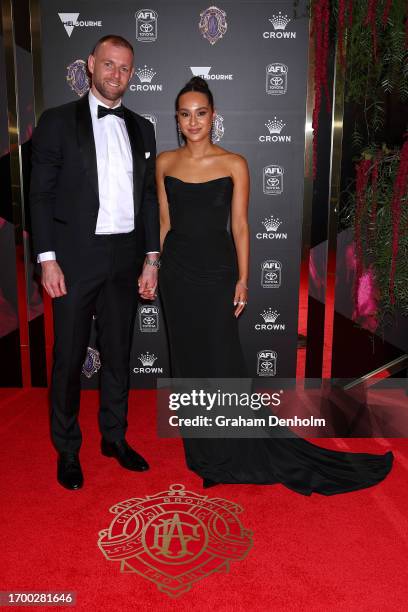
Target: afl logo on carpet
<point>175,538</point>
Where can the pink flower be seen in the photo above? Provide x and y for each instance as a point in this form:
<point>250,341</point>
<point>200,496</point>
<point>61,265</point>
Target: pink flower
<point>365,311</point>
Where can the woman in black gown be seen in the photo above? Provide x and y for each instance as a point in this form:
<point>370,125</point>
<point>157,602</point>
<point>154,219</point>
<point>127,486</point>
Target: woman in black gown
<point>203,285</point>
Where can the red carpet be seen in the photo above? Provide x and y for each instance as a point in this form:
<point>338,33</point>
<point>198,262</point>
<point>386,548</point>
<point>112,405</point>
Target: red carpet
<point>346,552</point>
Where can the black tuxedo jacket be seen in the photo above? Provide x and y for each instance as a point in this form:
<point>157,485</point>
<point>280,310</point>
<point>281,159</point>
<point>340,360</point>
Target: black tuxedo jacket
<point>64,184</point>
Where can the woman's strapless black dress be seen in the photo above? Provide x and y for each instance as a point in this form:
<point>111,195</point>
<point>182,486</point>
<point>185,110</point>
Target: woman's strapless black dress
<point>197,284</point>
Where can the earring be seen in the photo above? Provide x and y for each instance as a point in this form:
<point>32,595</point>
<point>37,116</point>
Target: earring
<point>212,132</point>
<point>179,135</point>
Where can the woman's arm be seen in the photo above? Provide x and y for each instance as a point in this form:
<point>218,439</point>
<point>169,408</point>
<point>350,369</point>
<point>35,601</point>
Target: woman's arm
<point>240,229</point>
<point>161,164</point>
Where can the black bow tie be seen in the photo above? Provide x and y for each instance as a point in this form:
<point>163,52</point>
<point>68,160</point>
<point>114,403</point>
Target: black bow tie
<point>103,111</point>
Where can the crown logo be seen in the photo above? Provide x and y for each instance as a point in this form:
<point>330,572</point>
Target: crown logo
<point>280,21</point>
<point>145,74</point>
<point>271,224</point>
<point>270,316</point>
<point>275,126</point>
<point>147,359</point>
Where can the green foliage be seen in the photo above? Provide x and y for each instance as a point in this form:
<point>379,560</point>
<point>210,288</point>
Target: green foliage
<point>370,80</point>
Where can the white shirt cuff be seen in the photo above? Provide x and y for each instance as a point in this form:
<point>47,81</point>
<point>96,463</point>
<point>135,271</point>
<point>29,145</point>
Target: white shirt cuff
<point>47,256</point>
<point>152,252</point>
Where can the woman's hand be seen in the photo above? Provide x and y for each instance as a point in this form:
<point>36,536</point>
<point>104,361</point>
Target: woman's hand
<point>240,297</point>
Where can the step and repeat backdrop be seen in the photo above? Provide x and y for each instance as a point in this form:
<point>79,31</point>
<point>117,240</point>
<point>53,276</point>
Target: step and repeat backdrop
<point>254,56</point>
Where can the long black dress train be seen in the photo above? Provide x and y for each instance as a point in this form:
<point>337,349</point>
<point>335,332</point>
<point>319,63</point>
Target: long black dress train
<point>197,284</point>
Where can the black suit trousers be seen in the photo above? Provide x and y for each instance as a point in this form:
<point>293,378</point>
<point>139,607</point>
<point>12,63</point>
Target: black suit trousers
<point>107,287</point>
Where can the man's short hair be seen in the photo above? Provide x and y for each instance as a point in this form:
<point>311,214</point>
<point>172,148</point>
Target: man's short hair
<point>116,40</point>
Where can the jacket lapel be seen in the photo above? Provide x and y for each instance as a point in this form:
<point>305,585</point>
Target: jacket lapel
<point>86,142</point>
<point>138,154</point>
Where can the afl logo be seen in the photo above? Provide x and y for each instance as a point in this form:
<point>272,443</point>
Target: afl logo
<point>146,25</point>
<point>271,274</point>
<point>266,363</point>
<point>148,318</point>
<point>273,179</point>
<point>276,78</point>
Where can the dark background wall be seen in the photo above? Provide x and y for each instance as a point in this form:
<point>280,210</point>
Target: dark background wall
<point>236,67</point>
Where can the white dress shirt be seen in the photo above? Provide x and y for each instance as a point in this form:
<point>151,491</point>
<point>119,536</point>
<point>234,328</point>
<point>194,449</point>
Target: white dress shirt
<point>115,174</point>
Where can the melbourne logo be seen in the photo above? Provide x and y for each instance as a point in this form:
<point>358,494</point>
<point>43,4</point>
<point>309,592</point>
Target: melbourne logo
<point>271,225</point>
<point>204,72</point>
<point>273,179</point>
<point>266,363</point>
<point>276,79</point>
<point>148,318</point>
<point>271,274</point>
<point>213,24</point>
<point>175,538</point>
<point>92,362</point>
<point>147,360</point>
<point>146,25</point>
<point>270,323</point>
<point>77,77</point>
<point>217,130</point>
<point>279,23</point>
<point>145,76</point>
<point>275,127</point>
<point>70,21</point>
<point>153,120</point>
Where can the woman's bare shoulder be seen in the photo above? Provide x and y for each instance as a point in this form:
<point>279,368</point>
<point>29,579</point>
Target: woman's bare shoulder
<point>233,158</point>
<point>166,157</point>
<point>237,164</point>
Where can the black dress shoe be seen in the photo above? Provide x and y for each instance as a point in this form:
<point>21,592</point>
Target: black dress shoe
<point>127,457</point>
<point>69,473</point>
<point>207,483</point>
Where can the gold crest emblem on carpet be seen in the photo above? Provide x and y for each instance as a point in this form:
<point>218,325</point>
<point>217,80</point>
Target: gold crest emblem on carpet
<point>175,538</point>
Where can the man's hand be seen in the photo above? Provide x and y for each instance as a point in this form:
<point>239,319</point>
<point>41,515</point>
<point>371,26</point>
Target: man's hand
<point>52,279</point>
<point>148,281</point>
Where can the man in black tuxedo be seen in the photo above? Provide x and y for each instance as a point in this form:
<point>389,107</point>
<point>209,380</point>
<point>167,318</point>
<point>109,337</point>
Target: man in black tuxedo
<point>95,217</point>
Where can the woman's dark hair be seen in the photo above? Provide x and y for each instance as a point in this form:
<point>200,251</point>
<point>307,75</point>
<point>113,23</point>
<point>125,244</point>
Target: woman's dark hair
<point>196,84</point>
